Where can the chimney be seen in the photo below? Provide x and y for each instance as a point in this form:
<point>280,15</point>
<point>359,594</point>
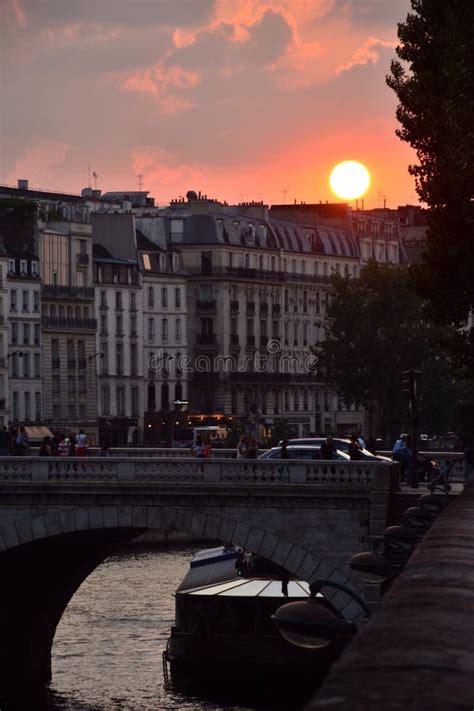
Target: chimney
<point>22,184</point>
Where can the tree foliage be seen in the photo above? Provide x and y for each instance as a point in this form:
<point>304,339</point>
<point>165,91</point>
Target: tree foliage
<point>433,79</point>
<point>374,331</point>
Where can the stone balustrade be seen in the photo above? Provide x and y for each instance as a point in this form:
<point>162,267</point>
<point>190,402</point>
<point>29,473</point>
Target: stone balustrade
<point>185,469</point>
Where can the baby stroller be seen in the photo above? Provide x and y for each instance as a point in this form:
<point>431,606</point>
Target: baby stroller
<point>440,478</point>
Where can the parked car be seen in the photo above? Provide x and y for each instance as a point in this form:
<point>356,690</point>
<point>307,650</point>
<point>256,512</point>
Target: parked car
<point>306,453</point>
<point>340,444</point>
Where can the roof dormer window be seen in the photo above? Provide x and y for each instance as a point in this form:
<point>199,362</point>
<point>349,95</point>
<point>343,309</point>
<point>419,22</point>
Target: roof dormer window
<point>23,267</point>
<point>146,262</point>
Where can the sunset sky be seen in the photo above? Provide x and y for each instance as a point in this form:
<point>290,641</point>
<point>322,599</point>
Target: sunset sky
<point>241,99</point>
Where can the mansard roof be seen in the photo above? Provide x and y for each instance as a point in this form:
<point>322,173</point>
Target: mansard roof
<point>243,231</point>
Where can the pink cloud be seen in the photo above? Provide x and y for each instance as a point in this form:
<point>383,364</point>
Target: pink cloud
<point>365,54</point>
<point>159,82</point>
<point>38,163</point>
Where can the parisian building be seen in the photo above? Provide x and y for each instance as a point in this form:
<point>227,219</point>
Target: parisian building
<point>119,340</point>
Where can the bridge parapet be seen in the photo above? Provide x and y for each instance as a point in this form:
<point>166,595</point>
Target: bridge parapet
<point>365,474</point>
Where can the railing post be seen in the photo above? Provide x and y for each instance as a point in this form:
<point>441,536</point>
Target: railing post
<point>212,470</point>
<point>126,470</point>
<point>40,470</point>
<point>297,473</point>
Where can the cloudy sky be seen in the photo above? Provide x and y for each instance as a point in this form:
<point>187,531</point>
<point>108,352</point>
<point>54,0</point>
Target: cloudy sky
<point>241,99</point>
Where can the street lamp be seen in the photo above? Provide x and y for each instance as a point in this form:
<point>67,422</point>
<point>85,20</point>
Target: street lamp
<point>310,624</point>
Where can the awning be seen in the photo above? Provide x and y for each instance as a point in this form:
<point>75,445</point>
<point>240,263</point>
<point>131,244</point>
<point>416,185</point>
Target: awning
<point>38,432</point>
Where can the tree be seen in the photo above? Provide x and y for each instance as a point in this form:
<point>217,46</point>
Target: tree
<point>374,331</point>
<point>433,79</point>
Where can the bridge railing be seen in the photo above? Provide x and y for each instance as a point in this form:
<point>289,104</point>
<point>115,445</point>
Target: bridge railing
<point>154,452</point>
<point>367,474</point>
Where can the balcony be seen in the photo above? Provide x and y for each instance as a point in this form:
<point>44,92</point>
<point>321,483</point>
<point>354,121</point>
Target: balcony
<point>260,275</point>
<point>82,260</point>
<point>49,291</point>
<point>86,324</point>
<point>206,305</point>
<point>206,339</point>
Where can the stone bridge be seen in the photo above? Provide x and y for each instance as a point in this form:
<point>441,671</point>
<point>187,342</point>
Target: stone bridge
<point>60,518</point>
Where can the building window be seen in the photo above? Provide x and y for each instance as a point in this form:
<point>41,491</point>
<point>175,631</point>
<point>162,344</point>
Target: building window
<point>287,333</point>
<point>146,262</point>
<point>82,411</point>
<point>135,401</point>
<point>37,362</point>
<point>120,400</point>
<point>37,334</point>
<point>151,330</point>
<point>103,324</point>
<point>36,301</point>
<point>38,407</point>
<point>305,301</point>
<point>11,266</point>
<point>133,325</point>
<point>15,405</point>
<point>151,297</point>
<point>105,399</point>
<point>164,297</point>
<point>119,325</point>
<point>13,302</point>
<point>250,327</point>
<point>286,300</point>
<point>103,299</point>
<point>275,329</point>
<point>81,381</point>
<point>118,300</point>
<point>81,352</point>
<point>164,329</point>
<point>119,358</point>
<point>133,359</point>
<point>26,334</point>
<point>318,302</point>
<point>25,301</point>
<point>71,362</point>
<point>178,330</point>
<point>71,385</point>
<point>14,332</point>
<point>133,301</point>
<point>14,360</point>
<point>177,298</point>
<point>23,267</point>
<point>26,365</point>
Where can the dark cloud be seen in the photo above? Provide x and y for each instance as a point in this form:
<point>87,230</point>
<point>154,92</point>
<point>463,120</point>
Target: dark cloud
<point>130,13</point>
<point>371,12</point>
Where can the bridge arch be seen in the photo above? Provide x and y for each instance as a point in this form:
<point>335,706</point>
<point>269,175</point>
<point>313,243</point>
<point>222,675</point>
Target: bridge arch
<point>45,558</point>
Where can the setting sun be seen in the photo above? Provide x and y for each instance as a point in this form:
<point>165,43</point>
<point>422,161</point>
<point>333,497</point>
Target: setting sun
<point>349,180</point>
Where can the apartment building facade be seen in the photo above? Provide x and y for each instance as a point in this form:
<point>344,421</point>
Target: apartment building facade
<point>165,345</point>
<point>119,348</point>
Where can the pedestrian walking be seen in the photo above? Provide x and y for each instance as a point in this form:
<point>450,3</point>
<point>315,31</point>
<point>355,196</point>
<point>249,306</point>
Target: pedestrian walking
<point>45,449</point>
<point>242,447</point>
<point>63,446</point>
<point>468,460</point>
<point>252,448</point>
<point>81,444</point>
<point>328,450</point>
<point>355,449</point>
<point>22,443</point>
<point>4,442</point>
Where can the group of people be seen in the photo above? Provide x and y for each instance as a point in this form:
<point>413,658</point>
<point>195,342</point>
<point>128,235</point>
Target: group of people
<point>14,441</point>
<point>75,445</point>
<point>202,447</point>
<point>247,447</point>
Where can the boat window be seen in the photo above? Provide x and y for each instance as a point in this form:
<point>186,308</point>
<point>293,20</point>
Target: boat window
<point>252,588</point>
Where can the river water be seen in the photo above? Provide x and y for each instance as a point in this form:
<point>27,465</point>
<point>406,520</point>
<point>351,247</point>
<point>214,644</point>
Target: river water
<point>107,652</point>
